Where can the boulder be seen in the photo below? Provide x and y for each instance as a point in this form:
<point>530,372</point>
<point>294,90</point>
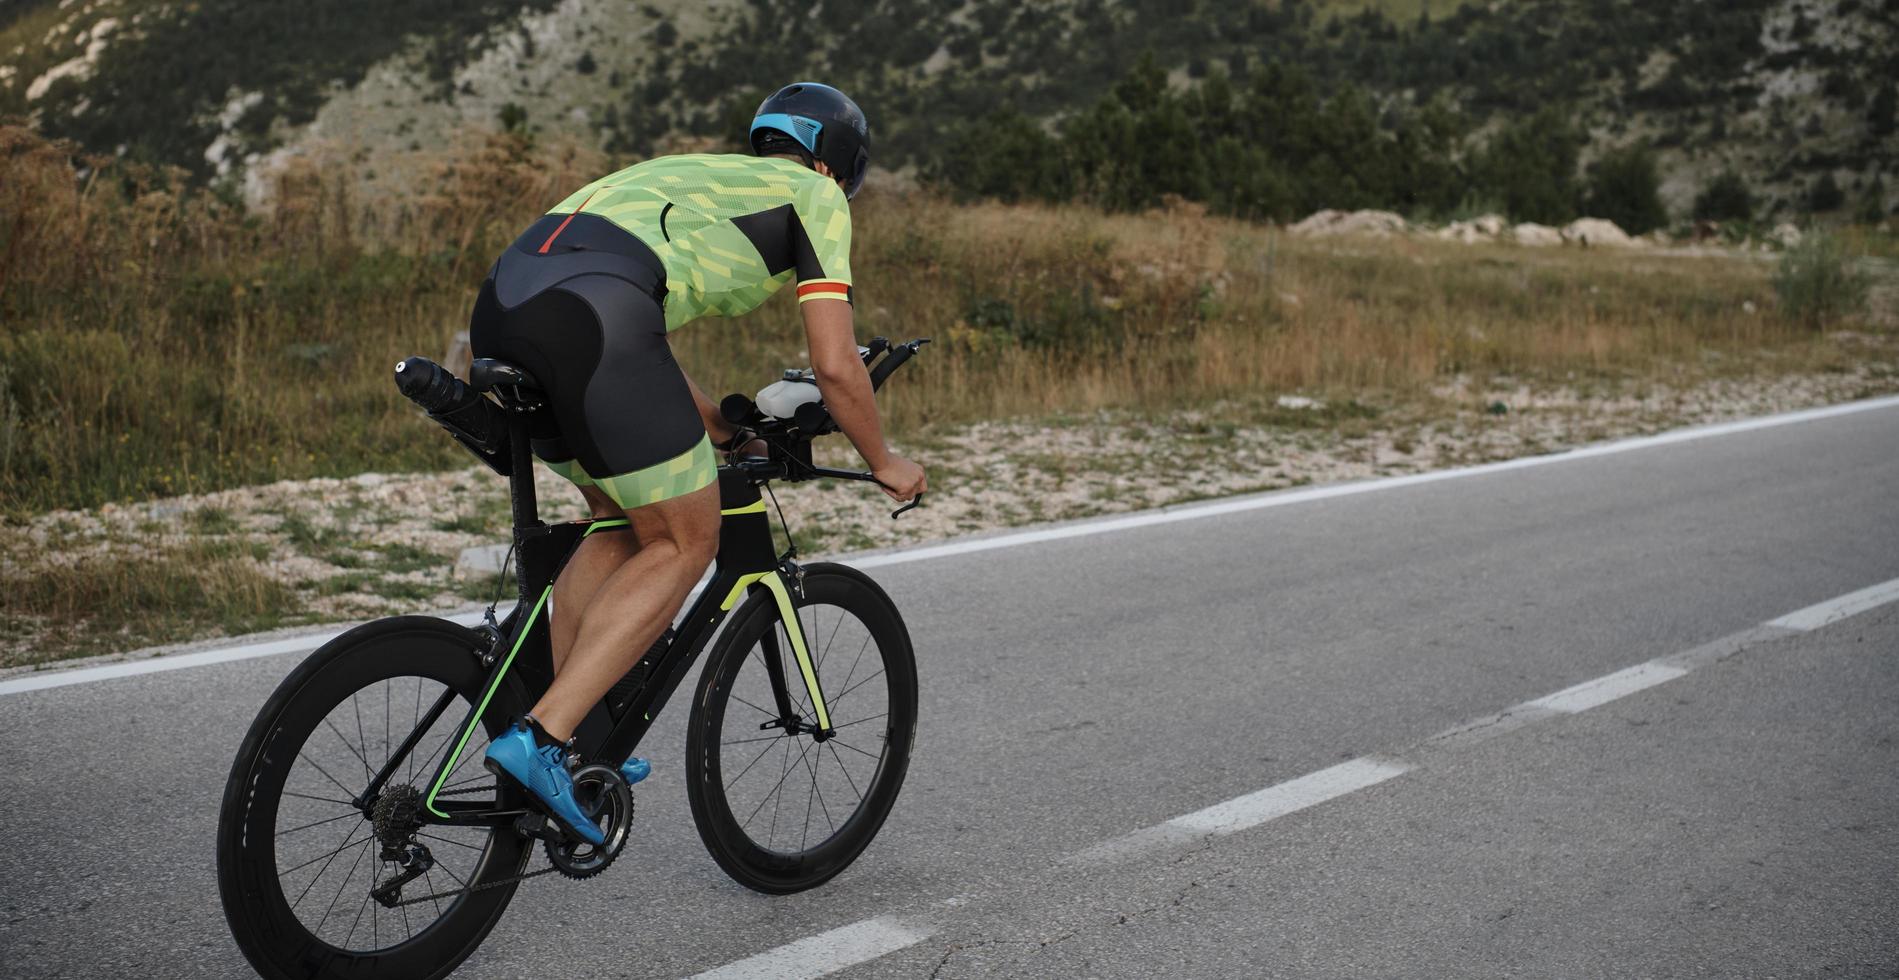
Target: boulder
<point>1331,222</point>
<point>1535,235</point>
<point>1480,229</point>
<point>1318,222</point>
<point>1785,234</point>
<point>1596,231</point>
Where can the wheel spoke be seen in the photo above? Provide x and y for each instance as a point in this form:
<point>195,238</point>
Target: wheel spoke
<point>857,685</point>
<point>847,772</point>
<point>429,883</point>
<point>318,823</point>
<point>325,772</point>
<point>853,748</point>
<point>445,840</point>
<point>830,639</point>
<point>749,765</point>
<point>321,799</point>
<point>804,836</point>
<point>348,842</point>
<point>881,714</point>
<point>345,740</point>
<point>342,887</point>
<point>853,671</point>
<point>761,738</point>
<point>748,704</point>
<point>817,792</point>
<point>356,702</point>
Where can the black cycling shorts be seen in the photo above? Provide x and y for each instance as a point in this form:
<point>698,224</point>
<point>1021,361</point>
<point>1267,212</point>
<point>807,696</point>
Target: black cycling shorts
<point>576,302</point>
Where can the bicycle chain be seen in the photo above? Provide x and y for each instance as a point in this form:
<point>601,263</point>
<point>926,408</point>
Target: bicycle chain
<point>453,892</point>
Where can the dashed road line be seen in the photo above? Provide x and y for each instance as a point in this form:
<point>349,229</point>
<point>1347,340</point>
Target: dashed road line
<point>1852,604</point>
<point>826,952</point>
<point>861,942</point>
<point>1291,796</point>
<point>1607,688</point>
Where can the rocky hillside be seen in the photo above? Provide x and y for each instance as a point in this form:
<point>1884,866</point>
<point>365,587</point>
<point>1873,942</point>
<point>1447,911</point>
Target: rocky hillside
<point>1794,96</point>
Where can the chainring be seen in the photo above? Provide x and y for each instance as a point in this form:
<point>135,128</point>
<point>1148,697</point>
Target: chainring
<point>603,793</point>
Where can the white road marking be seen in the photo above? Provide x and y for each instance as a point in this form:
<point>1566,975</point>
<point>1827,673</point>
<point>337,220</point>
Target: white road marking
<point>1291,796</point>
<point>132,668</point>
<point>1607,688</point>
<point>826,952</point>
<point>872,938</point>
<point>1851,604</point>
<point>1286,498</point>
<point>1165,515</point>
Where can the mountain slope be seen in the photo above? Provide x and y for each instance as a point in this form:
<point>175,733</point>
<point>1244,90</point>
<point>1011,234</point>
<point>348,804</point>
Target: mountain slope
<point>1791,94</point>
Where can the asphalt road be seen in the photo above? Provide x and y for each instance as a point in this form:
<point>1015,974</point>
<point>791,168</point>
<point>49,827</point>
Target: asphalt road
<point>1740,817</point>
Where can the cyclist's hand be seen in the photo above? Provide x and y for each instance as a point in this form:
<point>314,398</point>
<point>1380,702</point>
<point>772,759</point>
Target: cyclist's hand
<point>901,479</point>
<point>742,443</point>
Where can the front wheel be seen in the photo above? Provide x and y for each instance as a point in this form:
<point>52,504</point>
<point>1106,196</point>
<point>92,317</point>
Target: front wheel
<point>781,806</point>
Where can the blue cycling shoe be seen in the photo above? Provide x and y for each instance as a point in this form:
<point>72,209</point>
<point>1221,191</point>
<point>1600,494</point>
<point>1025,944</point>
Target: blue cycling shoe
<point>634,770</point>
<point>542,771</point>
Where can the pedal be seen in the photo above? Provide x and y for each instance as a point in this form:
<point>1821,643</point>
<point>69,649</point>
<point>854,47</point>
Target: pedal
<point>536,825</point>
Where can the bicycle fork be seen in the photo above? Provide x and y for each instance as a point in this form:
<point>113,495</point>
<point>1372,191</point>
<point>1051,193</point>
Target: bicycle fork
<point>774,582</point>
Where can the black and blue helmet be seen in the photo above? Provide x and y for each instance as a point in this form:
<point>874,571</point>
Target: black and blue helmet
<point>821,120</point>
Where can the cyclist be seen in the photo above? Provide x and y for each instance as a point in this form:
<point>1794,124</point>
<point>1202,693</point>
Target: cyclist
<point>584,300</point>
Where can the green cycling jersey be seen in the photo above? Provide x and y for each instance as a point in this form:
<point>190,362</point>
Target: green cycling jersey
<point>730,229</point>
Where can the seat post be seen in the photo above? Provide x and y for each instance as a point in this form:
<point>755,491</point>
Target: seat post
<point>521,477</point>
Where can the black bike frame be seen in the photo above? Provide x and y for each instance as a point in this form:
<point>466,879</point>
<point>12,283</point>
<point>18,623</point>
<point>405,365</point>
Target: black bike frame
<point>609,734</point>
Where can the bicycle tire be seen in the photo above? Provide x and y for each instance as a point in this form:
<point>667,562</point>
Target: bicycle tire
<point>263,920</point>
<point>709,781</point>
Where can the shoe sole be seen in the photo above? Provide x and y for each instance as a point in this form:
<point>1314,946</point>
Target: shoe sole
<point>566,828</point>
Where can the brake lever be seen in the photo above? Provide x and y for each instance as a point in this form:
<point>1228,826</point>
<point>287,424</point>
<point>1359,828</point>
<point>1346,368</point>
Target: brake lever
<point>914,501</point>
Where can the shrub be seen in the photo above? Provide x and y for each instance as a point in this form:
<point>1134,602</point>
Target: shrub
<point>1726,198</point>
<point>1624,188</point>
<point>1825,195</point>
<point>1816,285</point>
<point>1531,166</point>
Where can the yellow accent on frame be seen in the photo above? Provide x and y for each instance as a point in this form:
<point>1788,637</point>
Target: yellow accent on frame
<point>775,583</point>
<point>755,507</point>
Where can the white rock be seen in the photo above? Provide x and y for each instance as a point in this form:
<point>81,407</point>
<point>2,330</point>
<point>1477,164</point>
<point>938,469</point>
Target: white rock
<point>1598,232</point>
<point>1331,222</point>
<point>1539,236</point>
<point>1318,222</point>
<point>1785,234</point>
<point>1299,401</point>
<point>1480,229</point>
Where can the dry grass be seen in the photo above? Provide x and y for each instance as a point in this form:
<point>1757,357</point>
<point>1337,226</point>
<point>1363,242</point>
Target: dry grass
<point>156,340</point>
<point>104,602</point>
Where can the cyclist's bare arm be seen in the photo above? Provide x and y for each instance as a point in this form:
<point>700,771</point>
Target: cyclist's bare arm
<point>844,384</point>
<point>716,426</point>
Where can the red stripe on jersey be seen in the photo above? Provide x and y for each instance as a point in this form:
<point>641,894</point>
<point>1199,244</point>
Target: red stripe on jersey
<point>809,288</point>
<point>563,225</point>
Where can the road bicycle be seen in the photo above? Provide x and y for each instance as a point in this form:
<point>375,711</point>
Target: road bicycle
<point>357,839</point>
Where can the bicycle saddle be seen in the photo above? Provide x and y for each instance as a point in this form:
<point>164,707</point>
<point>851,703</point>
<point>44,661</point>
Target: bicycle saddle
<point>487,373</point>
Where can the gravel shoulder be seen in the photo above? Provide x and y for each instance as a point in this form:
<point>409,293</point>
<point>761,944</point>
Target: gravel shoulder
<point>335,550</point>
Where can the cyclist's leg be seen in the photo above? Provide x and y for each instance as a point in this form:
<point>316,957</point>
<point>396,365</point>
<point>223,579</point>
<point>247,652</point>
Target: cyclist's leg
<point>636,432</point>
<point>677,540</point>
<point>591,563</point>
